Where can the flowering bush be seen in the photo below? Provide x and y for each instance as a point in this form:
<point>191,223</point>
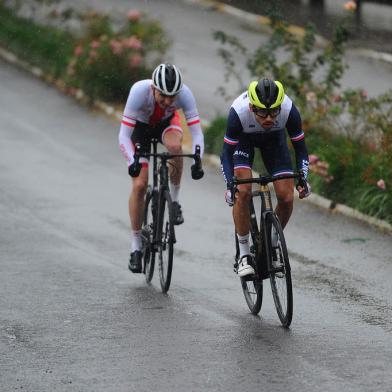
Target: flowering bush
<point>107,62</point>
<point>348,134</point>
<point>350,6</point>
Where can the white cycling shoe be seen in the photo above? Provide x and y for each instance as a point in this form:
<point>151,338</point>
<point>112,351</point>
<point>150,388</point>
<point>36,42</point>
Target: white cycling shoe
<point>245,267</point>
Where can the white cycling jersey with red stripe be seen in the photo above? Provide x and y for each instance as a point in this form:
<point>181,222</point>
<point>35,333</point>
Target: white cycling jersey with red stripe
<point>141,106</point>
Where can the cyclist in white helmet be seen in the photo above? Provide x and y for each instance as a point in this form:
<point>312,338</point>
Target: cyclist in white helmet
<point>151,111</point>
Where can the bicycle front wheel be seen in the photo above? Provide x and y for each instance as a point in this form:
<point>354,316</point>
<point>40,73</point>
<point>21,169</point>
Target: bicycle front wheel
<point>148,235</point>
<point>253,293</point>
<point>166,241</point>
<point>280,275</point>
<point>252,286</point>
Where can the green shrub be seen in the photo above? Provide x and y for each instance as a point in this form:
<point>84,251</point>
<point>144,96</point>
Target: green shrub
<point>103,60</point>
<point>213,137</point>
<point>42,46</point>
<point>107,62</point>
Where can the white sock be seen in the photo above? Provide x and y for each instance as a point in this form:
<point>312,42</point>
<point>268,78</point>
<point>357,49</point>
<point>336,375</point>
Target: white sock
<point>136,240</point>
<point>243,241</point>
<point>174,192</point>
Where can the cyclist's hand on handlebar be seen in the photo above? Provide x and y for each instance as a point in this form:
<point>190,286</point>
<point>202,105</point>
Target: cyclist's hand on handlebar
<point>134,169</point>
<point>229,198</point>
<point>197,171</point>
<point>304,189</point>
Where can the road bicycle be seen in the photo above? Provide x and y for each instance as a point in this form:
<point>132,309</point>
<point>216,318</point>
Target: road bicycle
<point>270,256</point>
<point>158,234</point>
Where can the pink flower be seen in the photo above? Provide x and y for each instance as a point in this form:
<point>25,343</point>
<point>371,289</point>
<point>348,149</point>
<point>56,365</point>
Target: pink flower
<point>381,184</point>
<point>116,46</point>
<point>93,54</point>
<point>78,51</point>
<point>372,146</point>
<point>95,44</point>
<point>133,15</point>
<point>72,91</point>
<point>337,98</point>
<point>132,43</point>
<point>135,60</point>
<point>350,6</point>
<point>364,94</point>
<point>313,159</point>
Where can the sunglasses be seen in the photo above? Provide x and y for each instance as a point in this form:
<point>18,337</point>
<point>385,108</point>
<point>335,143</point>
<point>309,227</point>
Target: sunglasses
<point>263,113</point>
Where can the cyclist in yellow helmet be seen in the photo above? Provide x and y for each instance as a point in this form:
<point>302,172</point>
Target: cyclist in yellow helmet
<point>259,118</point>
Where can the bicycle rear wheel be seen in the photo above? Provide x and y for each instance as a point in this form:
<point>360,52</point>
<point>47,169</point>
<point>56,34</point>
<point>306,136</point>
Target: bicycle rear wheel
<point>166,241</point>
<point>148,235</point>
<point>280,277</point>
<point>252,286</point>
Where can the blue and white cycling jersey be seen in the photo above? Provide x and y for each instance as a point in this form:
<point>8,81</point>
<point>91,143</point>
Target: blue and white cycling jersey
<point>243,133</point>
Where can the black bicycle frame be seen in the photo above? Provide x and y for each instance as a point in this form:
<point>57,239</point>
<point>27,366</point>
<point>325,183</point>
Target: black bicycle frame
<point>157,190</point>
<point>163,181</point>
<point>263,268</point>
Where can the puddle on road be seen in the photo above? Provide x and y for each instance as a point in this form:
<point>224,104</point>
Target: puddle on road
<point>343,288</point>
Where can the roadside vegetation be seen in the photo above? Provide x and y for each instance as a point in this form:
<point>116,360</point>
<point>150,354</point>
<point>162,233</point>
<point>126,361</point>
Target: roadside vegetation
<point>101,58</point>
<point>43,46</point>
<point>349,135</point>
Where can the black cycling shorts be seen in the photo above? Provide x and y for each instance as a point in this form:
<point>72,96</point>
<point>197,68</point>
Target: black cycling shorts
<point>273,148</point>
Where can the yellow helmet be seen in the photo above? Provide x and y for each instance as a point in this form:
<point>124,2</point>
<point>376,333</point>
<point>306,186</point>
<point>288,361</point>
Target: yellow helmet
<point>266,93</point>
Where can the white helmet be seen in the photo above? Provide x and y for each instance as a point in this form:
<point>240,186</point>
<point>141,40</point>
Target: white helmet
<point>167,79</point>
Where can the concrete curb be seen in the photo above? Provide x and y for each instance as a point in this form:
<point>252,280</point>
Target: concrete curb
<point>264,22</point>
<point>210,158</point>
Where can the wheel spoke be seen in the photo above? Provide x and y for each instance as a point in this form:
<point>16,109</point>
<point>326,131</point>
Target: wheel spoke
<point>280,278</point>
<point>147,238</point>
<point>252,289</point>
<point>166,244</point>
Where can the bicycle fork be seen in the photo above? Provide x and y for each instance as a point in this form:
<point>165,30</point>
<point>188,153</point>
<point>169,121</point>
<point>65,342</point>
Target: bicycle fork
<point>159,229</point>
<point>264,237</point>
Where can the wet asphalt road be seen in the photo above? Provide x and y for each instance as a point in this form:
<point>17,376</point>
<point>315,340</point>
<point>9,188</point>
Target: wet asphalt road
<point>73,318</point>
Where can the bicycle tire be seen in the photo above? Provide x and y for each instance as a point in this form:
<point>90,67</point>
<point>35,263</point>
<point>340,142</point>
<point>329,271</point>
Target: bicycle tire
<point>147,236</point>
<point>252,287</point>
<point>166,237</point>
<point>280,279</point>
<point>253,293</point>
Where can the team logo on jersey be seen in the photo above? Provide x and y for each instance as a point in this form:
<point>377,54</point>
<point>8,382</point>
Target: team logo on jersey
<point>241,153</point>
